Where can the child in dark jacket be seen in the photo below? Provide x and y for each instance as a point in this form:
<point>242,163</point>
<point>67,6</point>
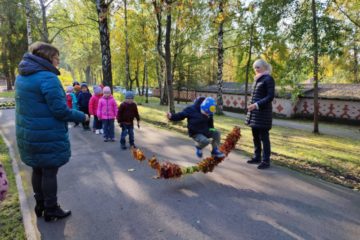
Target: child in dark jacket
<point>127,112</point>
<point>83,102</point>
<point>201,125</point>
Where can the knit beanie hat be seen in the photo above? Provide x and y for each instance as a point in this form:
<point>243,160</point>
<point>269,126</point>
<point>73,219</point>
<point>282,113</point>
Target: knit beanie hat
<point>129,95</point>
<point>84,85</point>
<point>69,89</point>
<point>106,90</point>
<point>75,83</point>
<point>97,90</point>
<point>77,88</point>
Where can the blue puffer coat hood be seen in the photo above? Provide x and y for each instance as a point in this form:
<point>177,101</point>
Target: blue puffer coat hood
<point>32,64</point>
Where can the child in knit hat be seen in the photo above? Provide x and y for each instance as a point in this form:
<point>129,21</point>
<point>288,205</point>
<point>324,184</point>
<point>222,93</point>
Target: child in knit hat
<point>71,100</point>
<point>93,106</point>
<point>126,113</point>
<point>106,112</point>
<point>83,102</point>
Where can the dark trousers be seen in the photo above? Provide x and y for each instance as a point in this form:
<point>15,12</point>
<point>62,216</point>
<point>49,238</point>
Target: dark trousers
<point>44,184</point>
<point>85,124</point>
<point>97,124</point>
<point>261,136</point>
<point>108,127</point>
<point>125,130</point>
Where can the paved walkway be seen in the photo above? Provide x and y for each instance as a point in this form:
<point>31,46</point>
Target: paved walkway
<point>236,201</point>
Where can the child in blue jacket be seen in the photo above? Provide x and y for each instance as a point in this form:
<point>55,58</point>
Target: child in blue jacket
<point>201,125</point>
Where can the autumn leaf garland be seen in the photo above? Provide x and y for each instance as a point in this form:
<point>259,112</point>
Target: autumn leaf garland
<point>171,170</point>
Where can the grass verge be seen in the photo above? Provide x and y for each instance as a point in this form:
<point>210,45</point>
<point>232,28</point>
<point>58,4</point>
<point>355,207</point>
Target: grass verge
<point>336,159</point>
<point>11,225</point>
<point>7,94</point>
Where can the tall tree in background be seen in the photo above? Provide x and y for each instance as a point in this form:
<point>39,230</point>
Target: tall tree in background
<point>128,81</point>
<point>316,66</point>
<point>103,8</point>
<point>160,65</point>
<point>220,49</point>
<point>169,76</point>
<point>28,22</point>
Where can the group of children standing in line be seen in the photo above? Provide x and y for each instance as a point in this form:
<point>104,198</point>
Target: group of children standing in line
<point>103,107</point>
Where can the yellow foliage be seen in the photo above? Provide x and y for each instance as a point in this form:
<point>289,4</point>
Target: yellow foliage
<point>65,78</point>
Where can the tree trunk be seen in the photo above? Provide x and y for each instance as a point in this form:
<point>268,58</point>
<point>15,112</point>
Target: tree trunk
<point>219,105</point>
<point>102,10</point>
<point>146,81</point>
<point>316,67</point>
<point>356,61</point>
<point>248,65</point>
<point>127,57</point>
<point>169,77</point>
<point>44,32</point>
<point>5,68</point>
<point>144,76</point>
<point>137,76</point>
<point>87,72</point>
<point>28,22</point>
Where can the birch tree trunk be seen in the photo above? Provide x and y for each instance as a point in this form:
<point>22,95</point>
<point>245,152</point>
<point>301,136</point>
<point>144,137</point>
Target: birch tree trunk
<point>28,22</point>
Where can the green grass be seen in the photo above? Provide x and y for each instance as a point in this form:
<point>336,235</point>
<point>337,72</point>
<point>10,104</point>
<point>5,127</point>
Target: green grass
<point>333,158</point>
<point>11,225</point>
<point>7,94</point>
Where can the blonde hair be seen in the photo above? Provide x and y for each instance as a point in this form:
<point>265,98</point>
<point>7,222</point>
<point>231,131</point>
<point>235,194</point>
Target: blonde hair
<point>263,63</point>
<point>44,50</point>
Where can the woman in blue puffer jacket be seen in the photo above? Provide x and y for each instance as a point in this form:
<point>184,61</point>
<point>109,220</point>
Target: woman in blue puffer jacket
<point>41,125</point>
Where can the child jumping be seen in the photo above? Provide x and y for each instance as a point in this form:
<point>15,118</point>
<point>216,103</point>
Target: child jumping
<point>126,113</point>
<point>201,125</point>
<point>83,102</point>
<point>106,112</point>
<point>93,106</point>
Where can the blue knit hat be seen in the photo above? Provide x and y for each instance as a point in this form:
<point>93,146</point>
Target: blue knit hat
<point>208,106</point>
<point>97,90</point>
<point>83,84</point>
<point>129,95</point>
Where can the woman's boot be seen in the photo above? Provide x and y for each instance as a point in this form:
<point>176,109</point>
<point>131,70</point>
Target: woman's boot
<point>39,208</point>
<point>54,213</point>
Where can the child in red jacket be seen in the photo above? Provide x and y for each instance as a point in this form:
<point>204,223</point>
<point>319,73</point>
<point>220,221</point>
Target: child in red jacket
<point>126,113</point>
<point>93,106</point>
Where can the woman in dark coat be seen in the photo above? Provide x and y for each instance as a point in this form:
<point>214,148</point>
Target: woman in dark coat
<point>41,125</point>
<point>259,116</point>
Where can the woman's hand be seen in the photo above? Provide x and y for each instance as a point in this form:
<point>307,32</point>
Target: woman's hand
<point>251,107</point>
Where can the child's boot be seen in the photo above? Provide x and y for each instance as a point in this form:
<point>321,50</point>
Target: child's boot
<point>216,153</point>
<point>199,153</point>
<point>97,132</point>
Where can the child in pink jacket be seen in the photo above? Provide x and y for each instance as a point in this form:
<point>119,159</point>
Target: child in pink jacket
<point>106,112</point>
<point>3,183</point>
<point>93,106</point>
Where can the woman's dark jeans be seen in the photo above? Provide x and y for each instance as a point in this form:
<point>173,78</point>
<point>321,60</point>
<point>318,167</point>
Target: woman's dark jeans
<point>261,136</point>
<point>44,184</point>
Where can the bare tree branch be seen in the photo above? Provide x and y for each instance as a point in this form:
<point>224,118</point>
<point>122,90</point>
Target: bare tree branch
<point>62,29</point>
<point>346,15</point>
<point>48,3</point>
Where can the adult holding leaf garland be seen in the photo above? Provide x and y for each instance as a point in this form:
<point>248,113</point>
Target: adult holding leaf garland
<point>259,116</point>
<point>42,118</point>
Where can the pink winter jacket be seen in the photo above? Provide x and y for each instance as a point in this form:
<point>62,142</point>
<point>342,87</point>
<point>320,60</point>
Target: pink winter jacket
<point>93,104</point>
<point>3,183</point>
<point>107,108</point>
